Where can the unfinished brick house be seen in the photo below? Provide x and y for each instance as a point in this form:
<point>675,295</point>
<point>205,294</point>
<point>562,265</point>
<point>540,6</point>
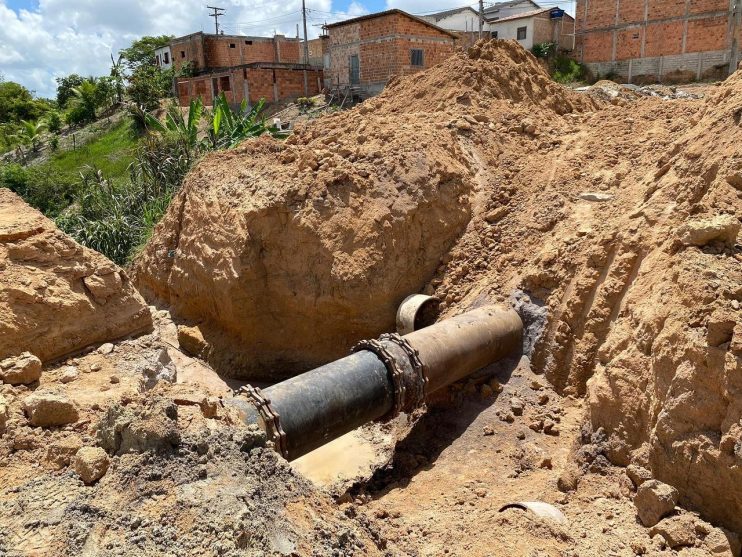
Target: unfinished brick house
<point>365,52</point>
<point>250,68</point>
<point>659,40</point>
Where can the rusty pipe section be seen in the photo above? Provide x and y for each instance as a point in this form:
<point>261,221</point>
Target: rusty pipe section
<point>380,379</point>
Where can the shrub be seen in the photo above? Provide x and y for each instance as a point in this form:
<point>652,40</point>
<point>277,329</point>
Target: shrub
<point>54,122</point>
<point>37,185</point>
<point>304,103</point>
<point>566,70</point>
<point>543,50</point>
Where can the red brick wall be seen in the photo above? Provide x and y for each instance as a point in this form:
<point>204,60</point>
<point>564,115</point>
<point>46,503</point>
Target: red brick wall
<point>188,50</point>
<point>600,13</point>
<point>659,9</point>
<point>211,51</point>
<point>220,54</point>
<point>383,45</point>
<point>629,43</point>
<point>289,84</point>
<point>664,39</point>
<point>668,29</point>
<point>707,34</point>
<point>597,46</point>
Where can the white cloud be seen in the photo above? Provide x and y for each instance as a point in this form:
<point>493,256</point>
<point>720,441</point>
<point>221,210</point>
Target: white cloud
<point>78,36</point>
<point>425,6</point>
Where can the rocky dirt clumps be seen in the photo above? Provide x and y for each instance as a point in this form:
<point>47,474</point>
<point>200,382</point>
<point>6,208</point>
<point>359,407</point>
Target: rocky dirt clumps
<point>57,297</point>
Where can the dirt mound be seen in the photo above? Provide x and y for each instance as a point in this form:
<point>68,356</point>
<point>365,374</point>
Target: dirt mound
<point>621,224</point>
<point>486,72</point>
<point>287,254</point>
<point>57,297</point>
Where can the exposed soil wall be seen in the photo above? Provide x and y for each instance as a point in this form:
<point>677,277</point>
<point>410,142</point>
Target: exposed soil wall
<point>290,253</point>
<point>56,296</point>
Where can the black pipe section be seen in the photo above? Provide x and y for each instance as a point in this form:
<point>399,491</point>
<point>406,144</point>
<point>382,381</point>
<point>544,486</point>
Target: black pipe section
<point>325,403</point>
<point>379,380</point>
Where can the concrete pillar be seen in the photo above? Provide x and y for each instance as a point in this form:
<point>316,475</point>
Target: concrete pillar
<point>246,86</point>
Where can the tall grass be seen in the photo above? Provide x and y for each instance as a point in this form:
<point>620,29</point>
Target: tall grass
<point>116,217</point>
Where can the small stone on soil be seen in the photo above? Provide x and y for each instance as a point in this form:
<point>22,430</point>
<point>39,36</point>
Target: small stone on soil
<point>46,409</point>
<point>90,463</point>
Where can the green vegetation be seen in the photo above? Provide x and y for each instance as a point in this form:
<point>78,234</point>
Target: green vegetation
<point>111,153</point>
<point>110,192</point>
<point>117,217</point>
<point>543,50</point>
<point>52,186</point>
<point>566,70</point>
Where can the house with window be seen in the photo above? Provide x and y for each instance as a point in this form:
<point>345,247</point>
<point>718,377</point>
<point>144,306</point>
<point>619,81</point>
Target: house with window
<point>241,67</point>
<point>163,57</point>
<point>522,20</point>
<point>544,25</point>
<point>365,52</point>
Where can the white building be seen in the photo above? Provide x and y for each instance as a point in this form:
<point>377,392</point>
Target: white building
<point>520,20</point>
<point>459,19</point>
<point>512,7</point>
<point>544,25</point>
<point>164,57</point>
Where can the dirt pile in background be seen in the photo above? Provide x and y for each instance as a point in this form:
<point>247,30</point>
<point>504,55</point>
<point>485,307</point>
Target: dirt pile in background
<point>287,254</point>
<point>56,296</point>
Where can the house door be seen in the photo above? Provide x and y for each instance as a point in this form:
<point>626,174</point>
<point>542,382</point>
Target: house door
<point>355,70</point>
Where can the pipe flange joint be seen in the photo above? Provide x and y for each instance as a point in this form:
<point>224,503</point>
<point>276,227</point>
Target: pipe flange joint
<point>418,367</point>
<point>270,418</point>
<point>391,365</point>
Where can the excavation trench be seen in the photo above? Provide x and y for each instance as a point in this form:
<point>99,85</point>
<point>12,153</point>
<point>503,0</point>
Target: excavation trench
<point>379,380</point>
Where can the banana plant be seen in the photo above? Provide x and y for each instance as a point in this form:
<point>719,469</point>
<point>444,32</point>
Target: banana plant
<point>175,123</point>
<point>231,127</point>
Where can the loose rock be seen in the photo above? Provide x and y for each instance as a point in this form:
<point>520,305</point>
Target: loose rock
<point>45,409</point>
<point>637,474</point>
<point>654,500</point>
<point>676,530</point>
<point>723,228</point>
<point>20,370</point>
<point>90,463</point>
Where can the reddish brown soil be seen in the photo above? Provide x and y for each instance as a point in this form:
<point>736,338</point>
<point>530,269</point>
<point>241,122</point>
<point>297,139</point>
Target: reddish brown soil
<point>477,181</point>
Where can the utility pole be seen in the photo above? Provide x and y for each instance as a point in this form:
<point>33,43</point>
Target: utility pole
<point>736,17</point>
<point>481,17</point>
<point>306,46</point>
<point>215,15</point>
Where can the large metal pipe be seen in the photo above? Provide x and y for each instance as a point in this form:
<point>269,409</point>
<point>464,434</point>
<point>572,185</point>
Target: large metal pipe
<point>379,380</point>
<point>454,348</point>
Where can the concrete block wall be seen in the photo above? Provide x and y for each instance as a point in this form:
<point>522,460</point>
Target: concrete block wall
<point>658,39</point>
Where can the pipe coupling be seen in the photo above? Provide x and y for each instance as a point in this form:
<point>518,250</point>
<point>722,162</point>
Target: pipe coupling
<point>405,369</point>
<point>271,421</point>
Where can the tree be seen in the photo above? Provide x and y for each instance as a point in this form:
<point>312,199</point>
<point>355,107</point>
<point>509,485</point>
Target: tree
<point>147,85</point>
<point>117,75</point>
<point>17,103</point>
<point>65,85</point>
<point>85,99</point>
<point>142,51</point>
